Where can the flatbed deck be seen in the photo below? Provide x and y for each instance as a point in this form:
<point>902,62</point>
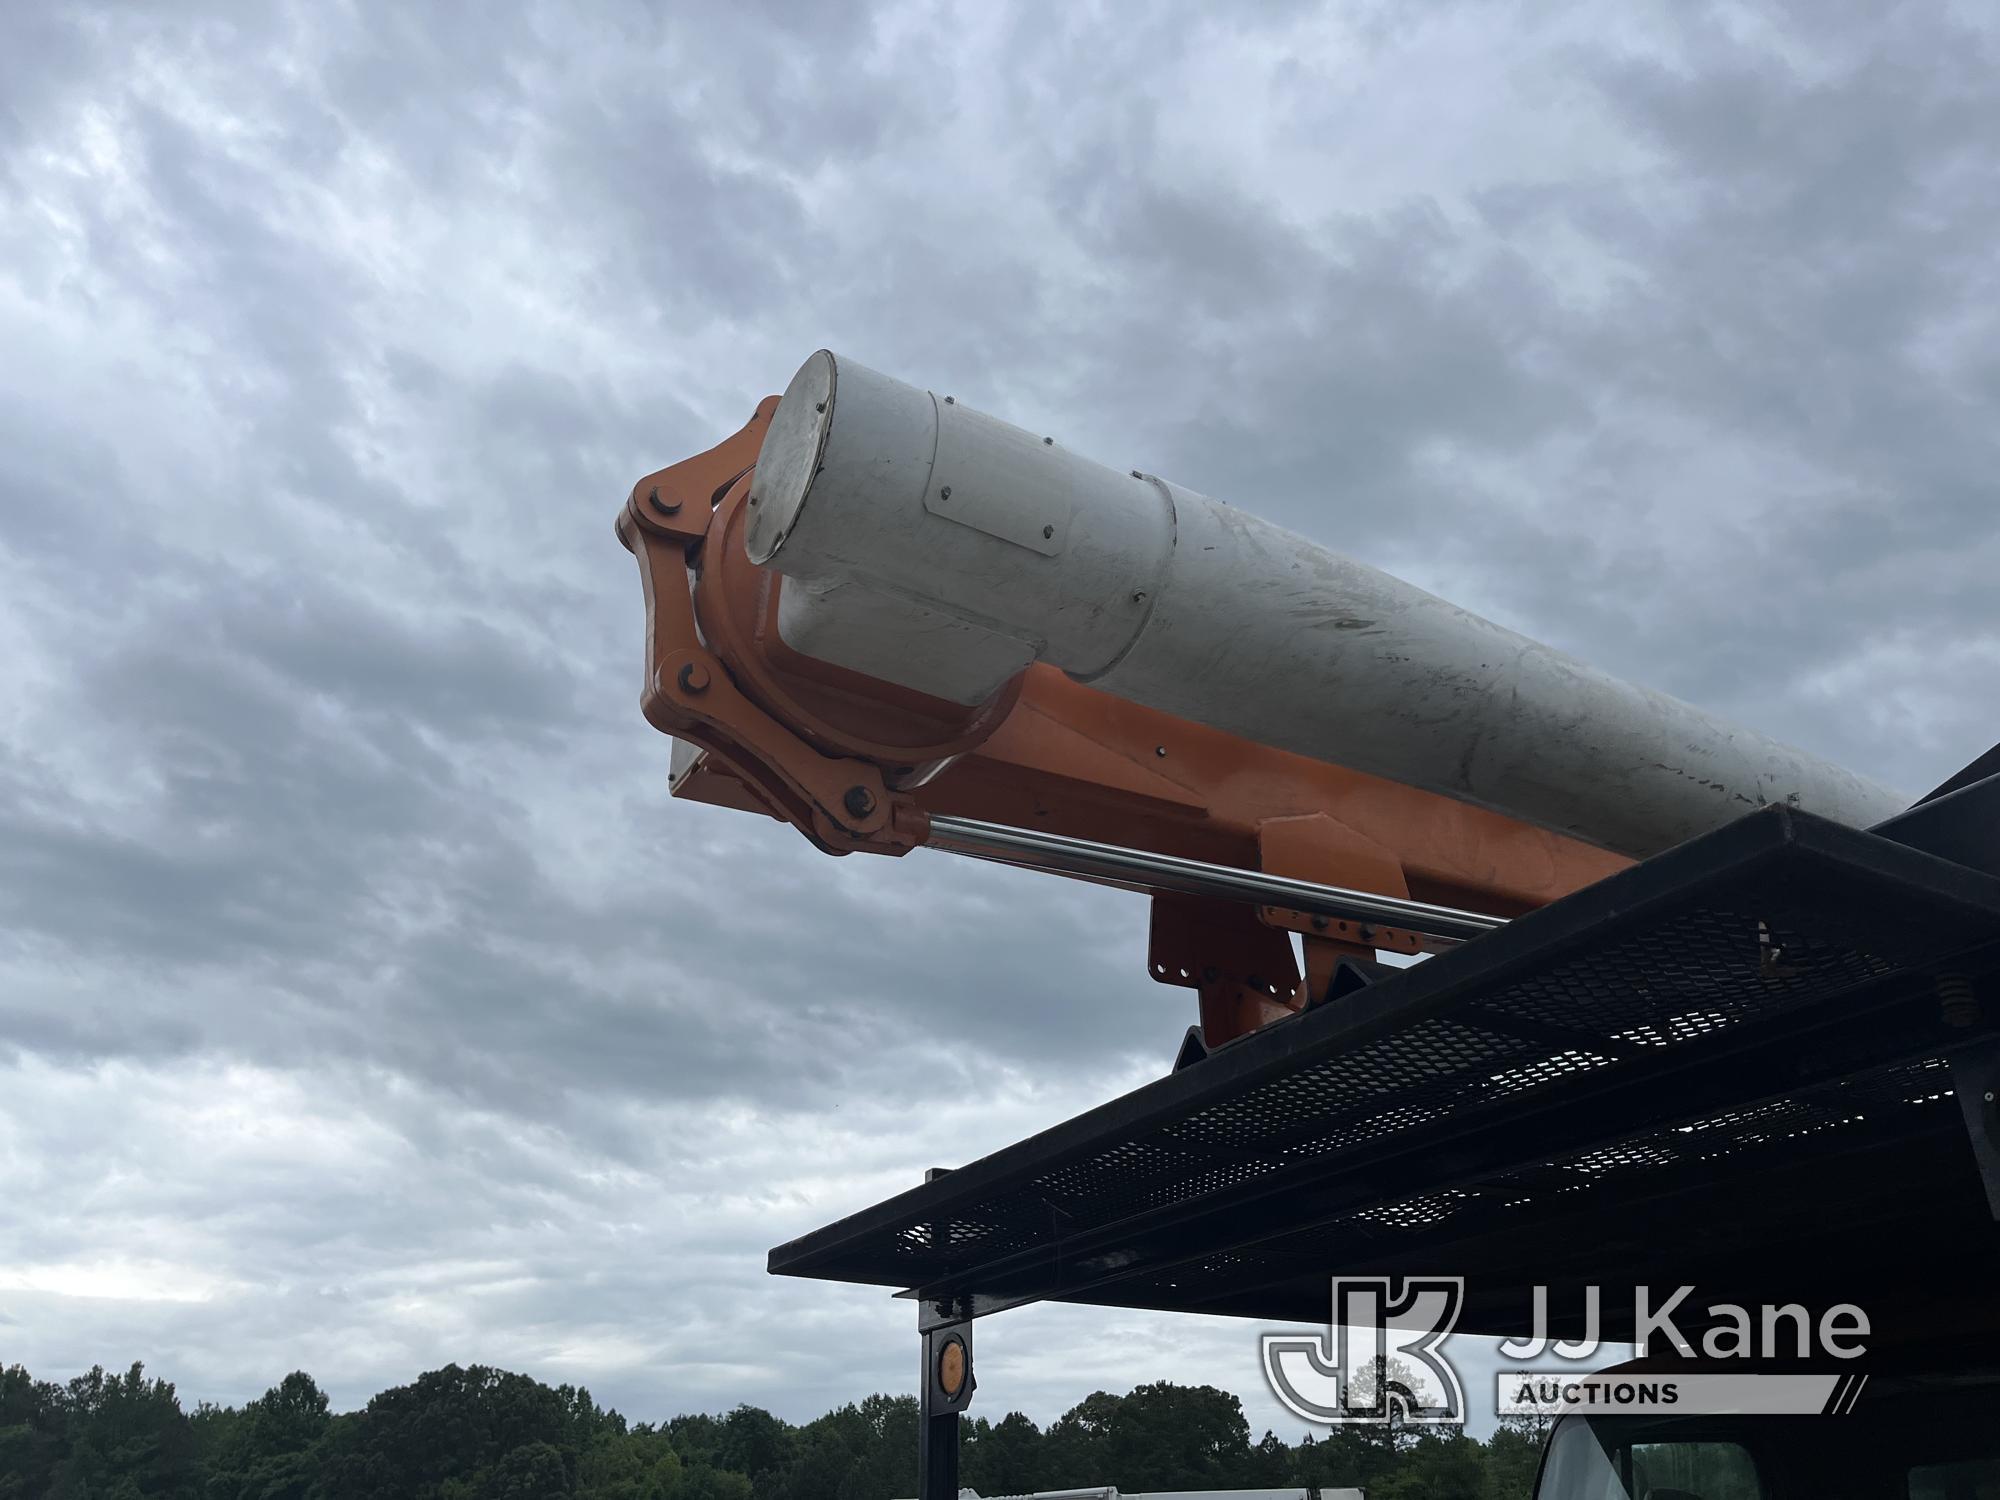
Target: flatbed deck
<point>1731,1065</point>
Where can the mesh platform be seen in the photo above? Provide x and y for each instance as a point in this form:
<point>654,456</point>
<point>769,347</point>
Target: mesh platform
<point>1674,1073</point>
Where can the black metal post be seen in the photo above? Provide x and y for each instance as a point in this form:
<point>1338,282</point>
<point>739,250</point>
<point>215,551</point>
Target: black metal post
<point>944,1390</point>
<point>937,1457</point>
<point>1975,1079</point>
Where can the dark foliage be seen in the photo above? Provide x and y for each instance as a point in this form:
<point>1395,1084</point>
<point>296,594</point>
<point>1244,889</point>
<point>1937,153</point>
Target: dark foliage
<point>482,1434</point>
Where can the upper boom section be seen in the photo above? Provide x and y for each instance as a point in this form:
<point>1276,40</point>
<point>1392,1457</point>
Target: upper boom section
<point>928,545</point>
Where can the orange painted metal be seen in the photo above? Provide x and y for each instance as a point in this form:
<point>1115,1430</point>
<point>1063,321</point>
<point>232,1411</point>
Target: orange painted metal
<point>859,764</point>
<point>1305,845</point>
<point>839,801</point>
<point>1242,971</point>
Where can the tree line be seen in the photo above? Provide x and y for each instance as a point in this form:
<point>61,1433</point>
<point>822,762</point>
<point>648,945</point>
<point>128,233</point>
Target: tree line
<point>474,1433</point>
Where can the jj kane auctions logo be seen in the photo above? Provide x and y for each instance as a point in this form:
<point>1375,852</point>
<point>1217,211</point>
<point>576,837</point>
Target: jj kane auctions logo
<point>1383,1357</point>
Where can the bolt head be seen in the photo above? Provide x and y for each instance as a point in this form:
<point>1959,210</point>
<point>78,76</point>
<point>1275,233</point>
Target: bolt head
<point>693,677</point>
<point>1047,532</point>
<point>1160,750</point>
<point>1048,442</point>
<point>945,493</point>
<point>859,801</point>
<point>664,507</point>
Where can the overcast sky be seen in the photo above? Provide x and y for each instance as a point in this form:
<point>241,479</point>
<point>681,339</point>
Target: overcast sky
<point>365,1002</point>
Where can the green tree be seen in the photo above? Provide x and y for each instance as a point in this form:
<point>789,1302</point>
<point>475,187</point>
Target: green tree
<point>449,1424</point>
<point>126,1436</point>
<point>288,1418</point>
<point>31,1435</point>
<point>1437,1466</point>
<point>703,1482</point>
<point>1160,1437</point>
<point>1272,1463</point>
<point>1005,1458</point>
<point>1078,1443</point>
<point>862,1451</point>
<point>885,1461</point>
<point>1347,1457</point>
<point>533,1471</point>
<point>476,1433</point>
<point>266,1450</point>
<point>752,1442</point>
<point>1513,1454</point>
<point>696,1436</point>
<point>636,1465</point>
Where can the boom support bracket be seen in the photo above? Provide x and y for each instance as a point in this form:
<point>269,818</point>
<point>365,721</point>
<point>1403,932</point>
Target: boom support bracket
<point>841,803</point>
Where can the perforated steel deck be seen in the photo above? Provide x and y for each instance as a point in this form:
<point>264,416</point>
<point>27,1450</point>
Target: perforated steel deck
<point>1671,1074</point>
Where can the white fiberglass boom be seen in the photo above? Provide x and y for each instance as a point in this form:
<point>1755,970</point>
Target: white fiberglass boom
<point>932,546</point>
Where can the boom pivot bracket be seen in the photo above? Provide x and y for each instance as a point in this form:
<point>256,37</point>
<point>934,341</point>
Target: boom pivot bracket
<point>841,803</point>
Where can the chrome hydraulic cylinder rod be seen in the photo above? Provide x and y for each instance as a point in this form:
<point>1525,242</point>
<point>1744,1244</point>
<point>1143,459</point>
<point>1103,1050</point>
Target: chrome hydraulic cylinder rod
<point>1141,868</point>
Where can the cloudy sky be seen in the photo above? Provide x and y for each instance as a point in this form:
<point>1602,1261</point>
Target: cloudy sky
<point>365,1002</point>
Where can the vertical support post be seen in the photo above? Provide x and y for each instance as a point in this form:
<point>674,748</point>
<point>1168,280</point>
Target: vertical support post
<point>944,1386</point>
<point>1975,1079</point>
<point>945,1391</point>
<point>937,1457</point>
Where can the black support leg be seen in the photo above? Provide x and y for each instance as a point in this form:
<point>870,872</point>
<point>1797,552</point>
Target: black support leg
<point>1975,1079</point>
<point>944,1392</point>
<point>937,1457</point>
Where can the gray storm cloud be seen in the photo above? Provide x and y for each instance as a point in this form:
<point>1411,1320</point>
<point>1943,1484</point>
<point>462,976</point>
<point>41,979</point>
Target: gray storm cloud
<point>364,1001</point>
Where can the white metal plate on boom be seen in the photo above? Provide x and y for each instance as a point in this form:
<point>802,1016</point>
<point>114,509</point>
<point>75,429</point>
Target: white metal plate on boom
<point>985,477</point>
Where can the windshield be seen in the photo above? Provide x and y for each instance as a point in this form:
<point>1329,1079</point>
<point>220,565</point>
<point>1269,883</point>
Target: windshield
<point>1946,1447</point>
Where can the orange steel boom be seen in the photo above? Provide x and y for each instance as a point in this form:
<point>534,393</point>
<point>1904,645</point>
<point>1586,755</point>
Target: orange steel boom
<point>857,764</point>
